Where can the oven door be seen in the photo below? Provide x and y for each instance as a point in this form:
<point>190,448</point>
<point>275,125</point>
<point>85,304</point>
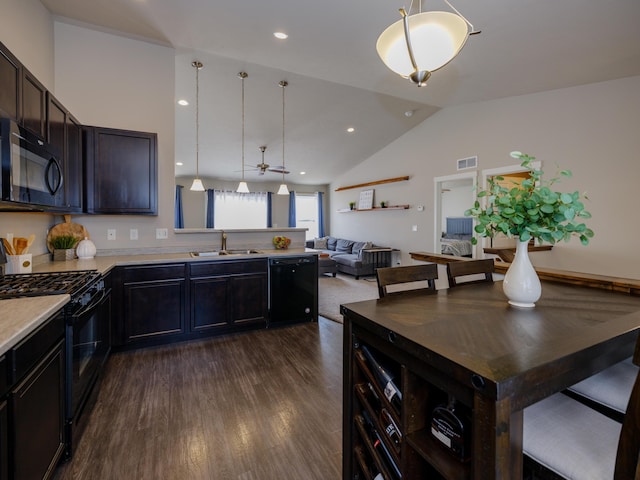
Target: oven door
<point>88,345</point>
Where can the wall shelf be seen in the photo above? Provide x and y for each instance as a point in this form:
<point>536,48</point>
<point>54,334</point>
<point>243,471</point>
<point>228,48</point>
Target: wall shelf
<point>377,182</point>
<point>390,207</point>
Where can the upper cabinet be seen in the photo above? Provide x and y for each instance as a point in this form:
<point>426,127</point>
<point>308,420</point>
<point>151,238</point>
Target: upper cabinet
<point>104,171</point>
<point>33,104</point>
<point>10,84</point>
<point>64,133</point>
<point>121,171</point>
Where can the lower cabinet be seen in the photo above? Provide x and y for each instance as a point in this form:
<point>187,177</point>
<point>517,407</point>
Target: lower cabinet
<point>149,303</point>
<point>228,295</point>
<point>32,415</point>
<point>161,303</point>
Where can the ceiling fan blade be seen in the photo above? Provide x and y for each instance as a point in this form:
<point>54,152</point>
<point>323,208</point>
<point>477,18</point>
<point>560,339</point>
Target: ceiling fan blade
<point>279,170</point>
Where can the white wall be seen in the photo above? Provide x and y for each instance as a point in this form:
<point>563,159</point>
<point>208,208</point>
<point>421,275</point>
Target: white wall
<point>591,130</point>
<point>26,29</point>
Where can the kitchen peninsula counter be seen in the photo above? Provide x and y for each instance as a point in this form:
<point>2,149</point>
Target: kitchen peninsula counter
<point>105,263</point>
<point>21,316</point>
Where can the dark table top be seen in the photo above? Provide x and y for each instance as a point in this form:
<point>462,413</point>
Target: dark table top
<point>472,330</point>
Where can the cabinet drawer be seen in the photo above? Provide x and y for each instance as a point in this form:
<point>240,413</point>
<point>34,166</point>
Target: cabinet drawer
<point>233,267</point>
<point>153,272</point>
<point>28,352</point>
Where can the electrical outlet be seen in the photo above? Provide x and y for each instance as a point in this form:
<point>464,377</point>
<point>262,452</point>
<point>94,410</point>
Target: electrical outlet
<point>111,234</point>
<point>162,233</point>
<point>133,234</point>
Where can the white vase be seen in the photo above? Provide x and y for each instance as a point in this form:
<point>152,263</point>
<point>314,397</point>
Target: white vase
<point>521,284</point>
<point>85,249</point>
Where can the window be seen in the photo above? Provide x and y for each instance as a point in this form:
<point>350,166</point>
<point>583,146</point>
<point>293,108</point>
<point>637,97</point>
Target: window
<point>307,213</point>
<point>240,210</point>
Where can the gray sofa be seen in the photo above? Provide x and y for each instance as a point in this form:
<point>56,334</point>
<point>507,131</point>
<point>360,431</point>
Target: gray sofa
<point>354,258</point>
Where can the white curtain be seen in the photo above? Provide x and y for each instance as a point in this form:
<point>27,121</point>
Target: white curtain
<point>240,210</point>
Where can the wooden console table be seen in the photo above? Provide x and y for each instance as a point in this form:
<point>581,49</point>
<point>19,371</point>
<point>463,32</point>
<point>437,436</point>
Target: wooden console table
<point>630,286</point>
<point>494,359</point>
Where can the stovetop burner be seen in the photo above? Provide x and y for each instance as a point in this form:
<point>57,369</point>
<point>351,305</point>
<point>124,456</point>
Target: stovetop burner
<point>36,284</point>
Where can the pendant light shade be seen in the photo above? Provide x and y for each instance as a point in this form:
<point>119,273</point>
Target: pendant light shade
<point>283,190</point>
<point>197,186</point>
<point>422,43</point>
<point>242,186</point>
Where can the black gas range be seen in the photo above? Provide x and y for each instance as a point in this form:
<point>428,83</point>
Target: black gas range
<point>87,334</point>
<point>52,283</point>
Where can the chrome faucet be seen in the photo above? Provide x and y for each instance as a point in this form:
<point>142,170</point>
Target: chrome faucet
<point>224,240</point>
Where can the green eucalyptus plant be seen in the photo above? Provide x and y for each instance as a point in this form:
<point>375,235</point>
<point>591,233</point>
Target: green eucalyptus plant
<point>530,209</point>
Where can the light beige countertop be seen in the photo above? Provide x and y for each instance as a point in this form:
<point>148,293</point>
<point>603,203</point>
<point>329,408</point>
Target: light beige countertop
<point>105,263</point>
<point>21,316</point>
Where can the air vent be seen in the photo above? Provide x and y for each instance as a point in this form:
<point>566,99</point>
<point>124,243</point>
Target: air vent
<point>465,163</point>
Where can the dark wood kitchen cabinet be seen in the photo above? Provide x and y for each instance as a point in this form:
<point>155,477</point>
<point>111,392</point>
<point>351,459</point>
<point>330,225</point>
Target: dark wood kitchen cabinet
<point>10,84</point>
<point>121,169</point>
<point>64,133</point>
<point>228,295</point>
<point>149,304</point>
<point>73,169</point>
<point>33,104</point>
<point>36,402</point>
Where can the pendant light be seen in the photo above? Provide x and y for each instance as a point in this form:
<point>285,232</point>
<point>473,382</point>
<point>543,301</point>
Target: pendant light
<point>283,190</point>
<point>424,42</point>
<point>197,186</point>
<point>242,186</point>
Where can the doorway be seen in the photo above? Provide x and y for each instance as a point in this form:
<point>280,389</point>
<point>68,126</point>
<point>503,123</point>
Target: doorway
<point>453,194</point>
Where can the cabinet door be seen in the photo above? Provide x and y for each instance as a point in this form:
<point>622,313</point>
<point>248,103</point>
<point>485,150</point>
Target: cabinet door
<point>73,186</point>
<point>4,442</point>
<point>37,406</point>
<point>33,104</point>
<point>248,301</point>
<point>10,85</point>
<point>57,138</point>
<point>121,172</point>
<point>209,304</point>
<point>154,309</point>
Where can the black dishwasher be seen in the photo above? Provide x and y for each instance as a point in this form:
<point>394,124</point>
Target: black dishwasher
<point>293,289</point>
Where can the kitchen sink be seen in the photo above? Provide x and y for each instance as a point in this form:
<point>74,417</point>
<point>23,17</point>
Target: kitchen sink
<point>225,252</point>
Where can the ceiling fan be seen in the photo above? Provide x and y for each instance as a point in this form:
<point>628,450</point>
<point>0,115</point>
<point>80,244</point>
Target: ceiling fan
<point>264,167</point>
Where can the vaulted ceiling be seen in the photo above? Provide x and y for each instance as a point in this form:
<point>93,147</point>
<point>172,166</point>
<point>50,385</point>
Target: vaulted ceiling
<point>336,79</point>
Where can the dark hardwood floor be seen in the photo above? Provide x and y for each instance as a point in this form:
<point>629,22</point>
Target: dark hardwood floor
<point>254,406</point>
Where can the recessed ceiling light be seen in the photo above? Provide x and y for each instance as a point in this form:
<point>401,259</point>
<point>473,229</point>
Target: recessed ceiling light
<point>351,129</point>
<point>179,164</point>
<point>183,103</point>
<point>303,173</point>
<point>280,35</point>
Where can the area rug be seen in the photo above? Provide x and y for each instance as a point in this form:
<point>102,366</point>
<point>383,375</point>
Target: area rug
<point>334,291</point>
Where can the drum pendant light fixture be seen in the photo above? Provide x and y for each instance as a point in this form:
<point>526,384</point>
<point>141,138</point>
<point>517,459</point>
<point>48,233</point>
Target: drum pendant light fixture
<point>283,190</point>
<point>424,42</point>
<point>197,186</point>
<point>242,186</point>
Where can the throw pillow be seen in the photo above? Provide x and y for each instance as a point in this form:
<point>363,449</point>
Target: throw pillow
<point>331,243</point>
<point>365,246</point>
<point>356,247</point>
<point>320,243</point>
<point>344,246</point>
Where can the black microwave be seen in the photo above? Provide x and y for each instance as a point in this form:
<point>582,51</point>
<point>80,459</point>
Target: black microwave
<point>32,174</point>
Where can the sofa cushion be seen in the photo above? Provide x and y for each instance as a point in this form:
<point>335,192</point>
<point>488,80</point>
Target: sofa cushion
<point>331,243</point>
<point>357,247</point>
<point>348,259</point>
<point>344,246</point>
<point>320,243</point>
